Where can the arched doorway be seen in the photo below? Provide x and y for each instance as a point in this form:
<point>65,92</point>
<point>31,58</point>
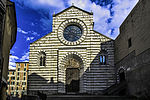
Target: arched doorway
<point>73,65</point>
<point>122,86</point>
<point>121,75</point>
<point>72,80</point>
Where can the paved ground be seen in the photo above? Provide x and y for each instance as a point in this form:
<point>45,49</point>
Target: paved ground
<point>88,97</point>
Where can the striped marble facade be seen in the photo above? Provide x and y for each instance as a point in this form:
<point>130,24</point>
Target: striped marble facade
<point>51,78</point>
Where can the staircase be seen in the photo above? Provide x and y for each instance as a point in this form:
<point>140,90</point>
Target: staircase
<point>116,89</point>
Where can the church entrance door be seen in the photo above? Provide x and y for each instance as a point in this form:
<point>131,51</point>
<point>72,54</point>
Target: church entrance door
<point>72,80</point>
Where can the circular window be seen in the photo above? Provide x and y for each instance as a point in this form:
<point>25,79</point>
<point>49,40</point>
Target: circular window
<point>72,33</point>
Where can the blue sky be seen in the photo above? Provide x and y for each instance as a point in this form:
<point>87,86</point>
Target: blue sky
<point>34,20</point>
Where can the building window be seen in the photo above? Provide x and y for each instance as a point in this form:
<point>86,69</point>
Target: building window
<point>129,43</point>
<point>12,93</point>
<point>103,57</point>
<point>23,88</point>
<point>17,78</point>
<point>24,69</point>
<point>13,78</point>
<point>25,74</point>
<point>23,83</point>
<point>17,83</point>
<point>12,83</point>
<point>42,58</point>
<point>24,78</point>
<point>18,73</point>
<point>16,93</point>
<point>12,88</point>
<point>18,69</point>
<point>25,64</point>
<point>17,88</point>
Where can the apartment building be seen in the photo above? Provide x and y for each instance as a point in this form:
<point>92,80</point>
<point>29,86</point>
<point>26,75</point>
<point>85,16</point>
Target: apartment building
<point>17,81</point>
<point>11,82</point>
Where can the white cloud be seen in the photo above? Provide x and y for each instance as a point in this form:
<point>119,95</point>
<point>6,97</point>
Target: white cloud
<point>34,33</point>
<point>101,14</point>
<point>25,57</point>
<point>121,9</point>
<point>32,24</point>
<point>84,4</point>
<point>21,31</point>
<point>12,52</point>
<point>42,4</point>
<point>11,67</point>
<point>29,38</point>
<point>53,3</point>
<point>43,7</point>
<point>46,23</point>
<point>26,32</point>
<point>12,60</point>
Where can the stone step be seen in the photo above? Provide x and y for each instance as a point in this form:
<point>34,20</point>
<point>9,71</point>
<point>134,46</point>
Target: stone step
<point>88,97</point>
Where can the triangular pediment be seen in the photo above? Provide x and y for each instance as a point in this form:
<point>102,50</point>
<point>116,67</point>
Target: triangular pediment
<point>72,7</point>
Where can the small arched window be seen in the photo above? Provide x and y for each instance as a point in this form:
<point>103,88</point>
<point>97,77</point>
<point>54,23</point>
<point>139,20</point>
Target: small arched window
<point>122,75</point>
<point>42,58</point>
<point>103,57</point>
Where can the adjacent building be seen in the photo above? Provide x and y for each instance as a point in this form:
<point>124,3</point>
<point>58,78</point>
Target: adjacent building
<point>11,82</point>
<point>132,50</point>
<point>17,81</point>
<point>8,30</point>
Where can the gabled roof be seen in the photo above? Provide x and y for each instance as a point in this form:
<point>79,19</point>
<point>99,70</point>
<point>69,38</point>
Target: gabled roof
<point>103,35</point>
<point>41,38</point>
<point>91,13</point>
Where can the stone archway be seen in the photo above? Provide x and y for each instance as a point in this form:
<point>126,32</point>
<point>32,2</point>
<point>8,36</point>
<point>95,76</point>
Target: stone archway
<point>72,80</point>
<point>70,71</point>
<point>121,75</point>
<point>72,66</point>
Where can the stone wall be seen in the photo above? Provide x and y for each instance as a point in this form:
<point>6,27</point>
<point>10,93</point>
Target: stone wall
<point>135,60</point>
<point>51,77</point>
<point>136,27</point>
<point>8,31</point>
<point>137,73</point>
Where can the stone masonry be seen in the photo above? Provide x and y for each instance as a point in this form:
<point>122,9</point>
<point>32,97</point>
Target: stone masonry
<point>51,78</point>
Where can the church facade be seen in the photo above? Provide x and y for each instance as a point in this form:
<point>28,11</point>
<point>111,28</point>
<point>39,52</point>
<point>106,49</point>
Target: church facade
<point>73,58</point>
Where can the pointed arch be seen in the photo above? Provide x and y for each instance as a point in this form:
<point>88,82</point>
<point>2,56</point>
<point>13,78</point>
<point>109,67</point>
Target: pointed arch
<point>42,58</point>
<point>103,58</point>
<point>121,74</point>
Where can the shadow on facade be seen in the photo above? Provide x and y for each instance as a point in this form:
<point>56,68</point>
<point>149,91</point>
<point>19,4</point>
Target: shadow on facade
<point>98,77</point>
<point>137,74</point>
<point>40,91</point>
